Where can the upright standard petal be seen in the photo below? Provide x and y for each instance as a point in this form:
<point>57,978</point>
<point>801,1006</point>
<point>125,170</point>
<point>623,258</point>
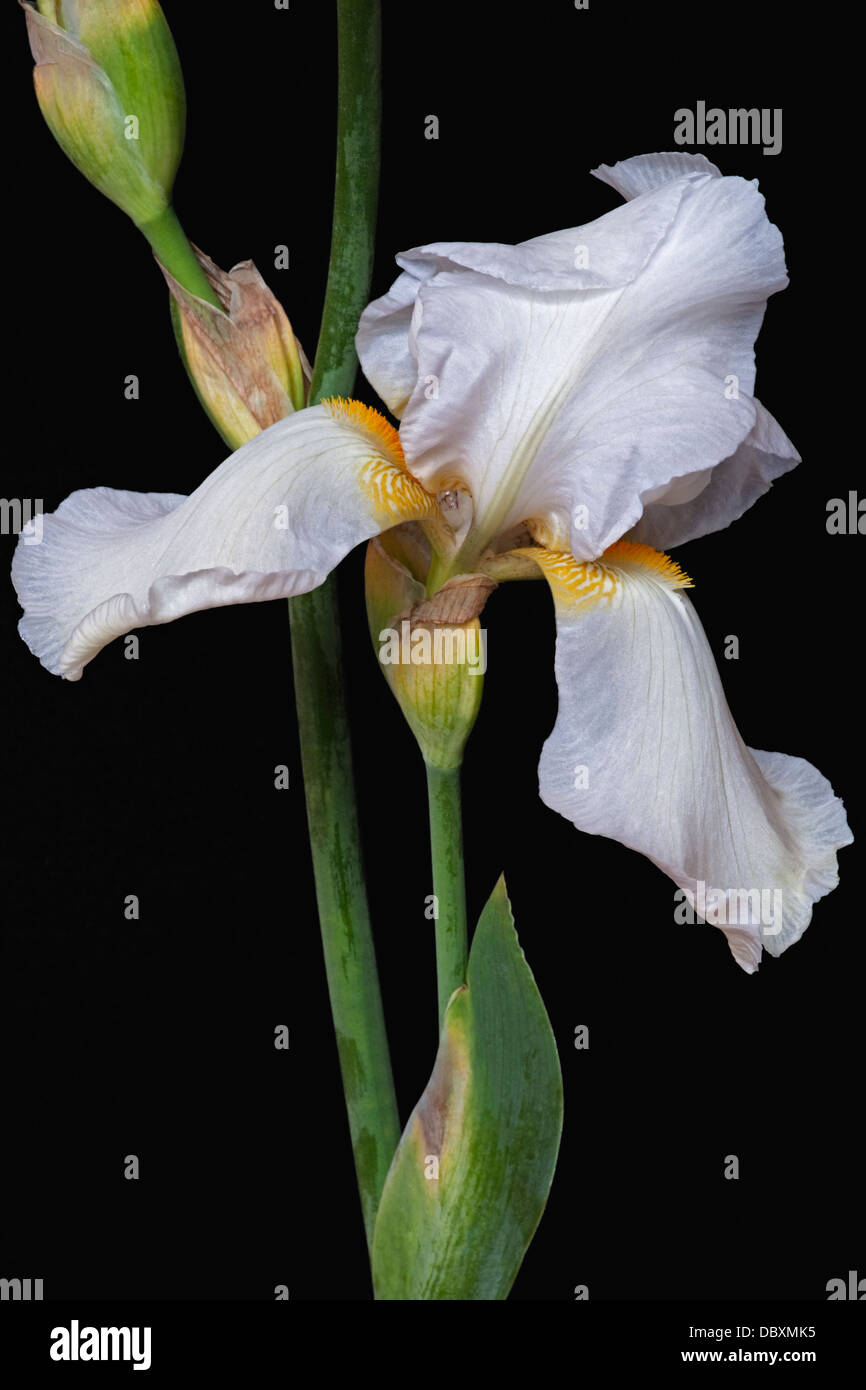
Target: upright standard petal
<point>645,172</point>
<point>567,379</point>
<point>383,339</point>
<point>723,494</point>
<point>272,521</point>
<point>645,751</point>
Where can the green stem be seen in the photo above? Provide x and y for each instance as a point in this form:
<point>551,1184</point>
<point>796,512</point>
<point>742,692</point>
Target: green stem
<point>326,755</point>
<point>347,938</point>
<point>446,848</point>
<point>168,241</point>
<point>356,189</point>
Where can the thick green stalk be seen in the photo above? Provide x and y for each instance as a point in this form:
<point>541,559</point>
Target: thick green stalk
<point>347,939</point>
<point>170,246</point>
<point>446,848</point>
<point>356,191</point>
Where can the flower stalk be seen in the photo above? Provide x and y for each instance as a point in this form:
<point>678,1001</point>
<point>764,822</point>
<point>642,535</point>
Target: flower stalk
<point>169,244</point>
<point>446,849</point>
<point>432,654</point>
<point>323,723</point>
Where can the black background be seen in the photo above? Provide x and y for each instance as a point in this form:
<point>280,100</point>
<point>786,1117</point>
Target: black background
<point>155,777</point>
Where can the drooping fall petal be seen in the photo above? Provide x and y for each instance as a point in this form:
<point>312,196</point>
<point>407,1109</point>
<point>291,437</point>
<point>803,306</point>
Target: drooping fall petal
<point>272,521</point>
<point>645,751</point>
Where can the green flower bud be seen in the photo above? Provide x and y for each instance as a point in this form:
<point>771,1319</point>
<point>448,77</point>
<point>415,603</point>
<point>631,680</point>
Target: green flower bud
<point>109,85</point>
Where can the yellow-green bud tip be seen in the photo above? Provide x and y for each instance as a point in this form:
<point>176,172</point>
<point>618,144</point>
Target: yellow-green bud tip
<point>109,85</point>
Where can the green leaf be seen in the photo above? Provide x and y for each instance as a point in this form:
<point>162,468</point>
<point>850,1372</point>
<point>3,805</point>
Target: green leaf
<point>471,1175</point>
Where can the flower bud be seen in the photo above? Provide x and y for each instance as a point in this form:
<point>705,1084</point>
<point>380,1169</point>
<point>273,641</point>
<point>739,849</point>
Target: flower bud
<point>244,360</point>
<point>109,85</point>
<point>432,651</point>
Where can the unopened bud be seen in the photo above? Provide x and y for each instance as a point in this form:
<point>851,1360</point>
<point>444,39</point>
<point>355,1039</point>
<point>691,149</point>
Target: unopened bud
<point>245,362</point>
<point>109,85</point>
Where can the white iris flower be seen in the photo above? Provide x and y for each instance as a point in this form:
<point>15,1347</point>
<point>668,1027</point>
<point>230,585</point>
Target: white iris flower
<point>576,405</point>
